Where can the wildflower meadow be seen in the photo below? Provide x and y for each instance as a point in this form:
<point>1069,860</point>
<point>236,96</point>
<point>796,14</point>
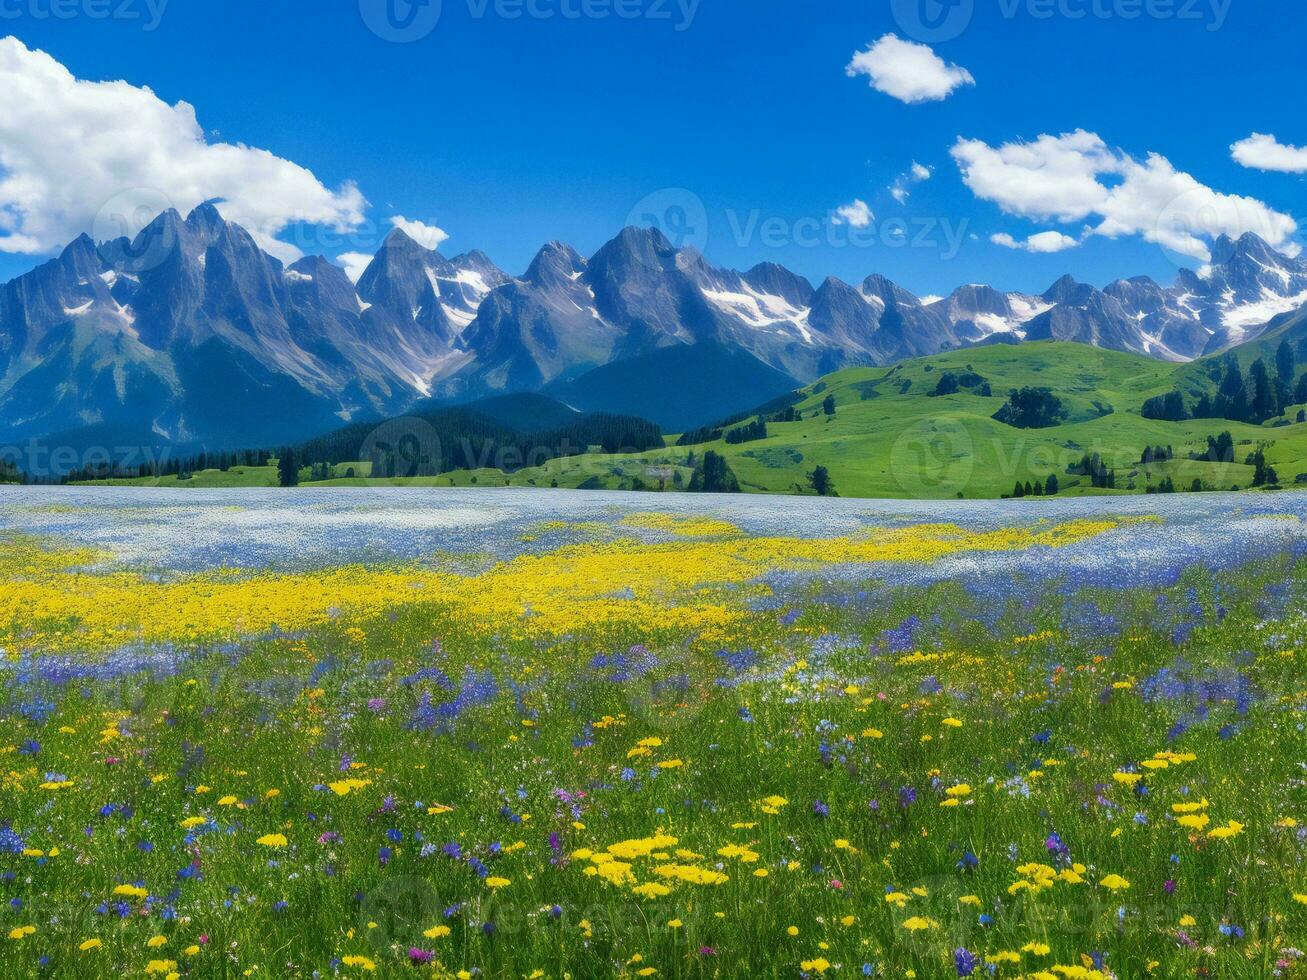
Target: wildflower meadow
<point>521,734</point>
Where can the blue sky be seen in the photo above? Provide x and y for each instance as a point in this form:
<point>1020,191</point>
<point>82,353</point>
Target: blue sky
<point>507,132</point>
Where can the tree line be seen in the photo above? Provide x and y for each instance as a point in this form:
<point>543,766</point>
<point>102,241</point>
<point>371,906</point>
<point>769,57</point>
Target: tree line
<point>462,439</point>
<point>1261,394</point>
<point>421,445</point>
<point>180,466</point>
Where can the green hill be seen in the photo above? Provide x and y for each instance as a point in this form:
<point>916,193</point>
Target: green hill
<point>892,435</point>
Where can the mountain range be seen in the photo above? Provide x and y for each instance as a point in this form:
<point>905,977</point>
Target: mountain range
<point>190,334</point>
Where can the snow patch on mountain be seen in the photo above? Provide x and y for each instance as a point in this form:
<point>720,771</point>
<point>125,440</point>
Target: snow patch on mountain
<point>1245,315</point>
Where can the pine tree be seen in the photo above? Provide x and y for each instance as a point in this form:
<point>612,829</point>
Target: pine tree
<point>288,474</point>
<point>1220,449</point>
<point>1263,474</point>
<point>820,481</point>
<point>714,475</point>
<point>1262,398</point>
<point>1233,398</point>
<point>1284,362</point>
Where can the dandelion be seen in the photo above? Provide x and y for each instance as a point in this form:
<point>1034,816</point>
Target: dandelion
<point>343,787</point>
<point>1232,829</point>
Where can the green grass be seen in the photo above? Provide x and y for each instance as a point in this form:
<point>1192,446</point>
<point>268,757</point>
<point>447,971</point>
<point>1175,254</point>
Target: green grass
<point>237,476</point>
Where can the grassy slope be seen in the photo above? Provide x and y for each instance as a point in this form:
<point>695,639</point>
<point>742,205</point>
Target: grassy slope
<point>237,476</point>
<point>890,438</point>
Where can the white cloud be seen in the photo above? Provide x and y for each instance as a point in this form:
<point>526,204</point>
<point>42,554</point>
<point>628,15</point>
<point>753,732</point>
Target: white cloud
<point>1262,151</point>
<point>908,71</point>
<point>1053,177</point>
<point>355,263</point>
<point>428,236</point>
<point>901,189</point>
<point>105,157</point>
<point>1050,241</point>
<point>856,214</point>
<point>1076,176</point>
<point>1041,243</point>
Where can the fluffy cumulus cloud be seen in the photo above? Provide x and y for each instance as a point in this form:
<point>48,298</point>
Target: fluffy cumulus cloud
<point>1078,177</point>
<point>105,157</point>
<point>901,189</point>
<point>856,214</point>
<point>1262,151</point>
<point>1042,243</point>
<point>908,71</point>
<point>428,236</point>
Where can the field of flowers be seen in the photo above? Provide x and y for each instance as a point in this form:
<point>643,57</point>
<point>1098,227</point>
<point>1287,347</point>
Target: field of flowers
<point>553,734</point>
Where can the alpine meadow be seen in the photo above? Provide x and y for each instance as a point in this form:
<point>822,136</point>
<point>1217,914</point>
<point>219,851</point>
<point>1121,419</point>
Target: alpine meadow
<point>688,490</point>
